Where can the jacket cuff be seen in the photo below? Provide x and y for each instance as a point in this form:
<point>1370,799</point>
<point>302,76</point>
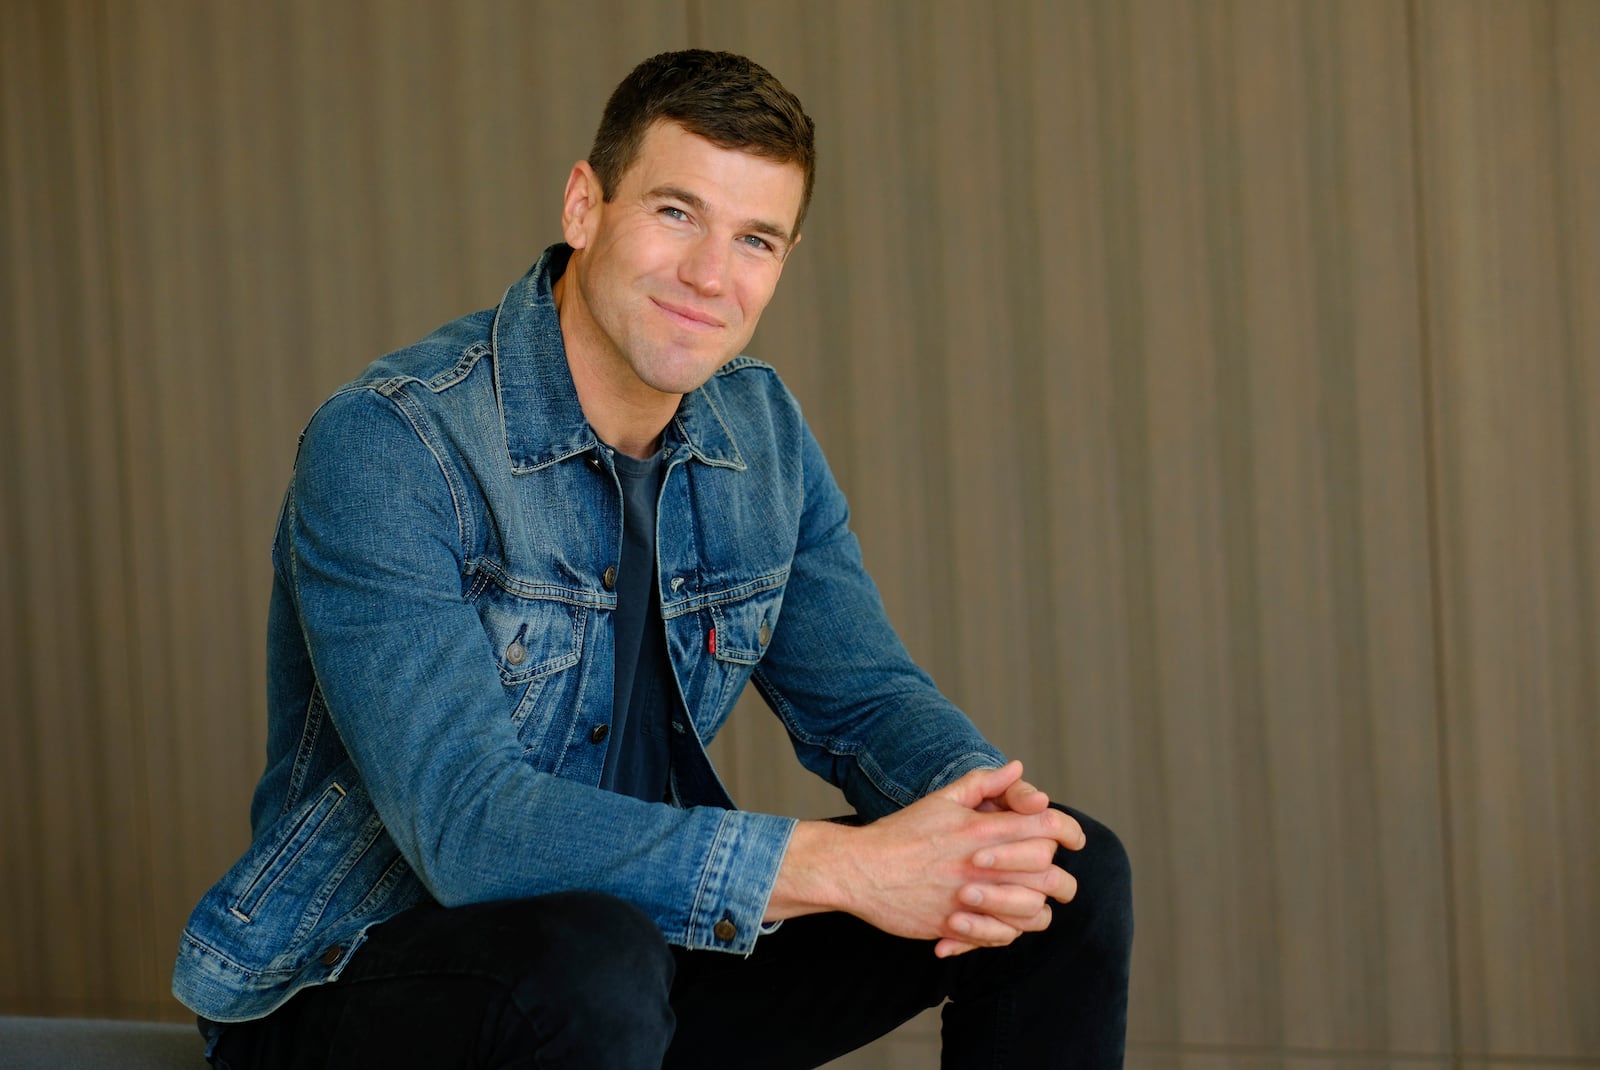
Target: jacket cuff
<point>963,764</point>
<point>731,902</point>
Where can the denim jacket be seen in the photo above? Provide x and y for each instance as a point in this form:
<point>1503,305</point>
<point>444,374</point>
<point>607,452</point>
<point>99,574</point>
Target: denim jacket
<point>440,659</point>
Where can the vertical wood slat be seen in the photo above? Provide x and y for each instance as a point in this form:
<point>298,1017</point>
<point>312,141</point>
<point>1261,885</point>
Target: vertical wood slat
<point>1509,97</point>
<point>76,830</point>
<point>21,832</point>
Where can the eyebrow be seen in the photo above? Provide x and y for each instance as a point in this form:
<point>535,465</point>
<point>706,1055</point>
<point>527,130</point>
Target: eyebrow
<point>698,203</point>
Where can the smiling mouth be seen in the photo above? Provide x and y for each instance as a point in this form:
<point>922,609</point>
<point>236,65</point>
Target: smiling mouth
<point>688,317</point>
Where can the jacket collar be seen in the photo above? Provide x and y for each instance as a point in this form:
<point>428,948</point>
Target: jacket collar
<point>543,420</point>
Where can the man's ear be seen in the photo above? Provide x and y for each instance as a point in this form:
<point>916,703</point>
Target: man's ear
<point>581,206</point>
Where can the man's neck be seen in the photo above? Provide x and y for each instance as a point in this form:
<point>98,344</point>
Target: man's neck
<point>625,414</point>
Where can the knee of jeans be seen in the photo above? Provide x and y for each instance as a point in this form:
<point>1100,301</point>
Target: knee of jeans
<point>1105,878</point>
<point>593,990</point>
<point>600,947</point>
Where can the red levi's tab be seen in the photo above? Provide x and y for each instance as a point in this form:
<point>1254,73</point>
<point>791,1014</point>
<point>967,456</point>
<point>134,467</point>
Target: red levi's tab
<point>711,641</point>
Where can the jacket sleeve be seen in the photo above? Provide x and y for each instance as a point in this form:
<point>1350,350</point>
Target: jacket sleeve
<point>375,547</point>
<point>860,712</point>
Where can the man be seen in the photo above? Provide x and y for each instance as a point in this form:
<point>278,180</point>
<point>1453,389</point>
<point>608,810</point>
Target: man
<point>523,570</point>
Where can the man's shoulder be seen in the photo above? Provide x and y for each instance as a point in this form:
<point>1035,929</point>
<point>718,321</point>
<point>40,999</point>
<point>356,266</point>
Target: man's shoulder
<point>394,392</point>
<point>744,380</point>
<point>747,363</point>
<point>439,360</point>
<point>752,403</point>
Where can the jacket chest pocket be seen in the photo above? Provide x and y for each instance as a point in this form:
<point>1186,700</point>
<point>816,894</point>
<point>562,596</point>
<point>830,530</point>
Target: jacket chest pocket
<point>535,641</point>
<point>744,629</point>
<point>531,637</point>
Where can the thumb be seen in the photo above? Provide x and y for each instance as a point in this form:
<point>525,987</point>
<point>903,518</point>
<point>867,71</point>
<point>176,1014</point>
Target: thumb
<point>973,788</point>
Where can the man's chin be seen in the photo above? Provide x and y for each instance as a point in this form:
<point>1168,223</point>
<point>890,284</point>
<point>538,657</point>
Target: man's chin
<point>685,378</point>
<point>682,385</point>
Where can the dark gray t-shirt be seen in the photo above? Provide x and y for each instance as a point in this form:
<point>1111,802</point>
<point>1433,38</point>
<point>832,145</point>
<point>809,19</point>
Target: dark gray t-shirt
<point>637,759</point>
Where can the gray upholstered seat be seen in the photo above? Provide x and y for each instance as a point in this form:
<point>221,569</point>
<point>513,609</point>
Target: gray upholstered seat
<point>26,1043</point>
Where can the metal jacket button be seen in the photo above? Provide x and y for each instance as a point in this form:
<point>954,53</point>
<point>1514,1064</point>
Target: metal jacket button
<point>332,956</point>
<point>765,635</point>
<point>515,653</point>
<point>599,732</point>
<point>725,930</point>
<point>609,578</point>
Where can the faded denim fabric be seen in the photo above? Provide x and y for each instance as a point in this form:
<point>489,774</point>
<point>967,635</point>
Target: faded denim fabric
<point>440,654</point>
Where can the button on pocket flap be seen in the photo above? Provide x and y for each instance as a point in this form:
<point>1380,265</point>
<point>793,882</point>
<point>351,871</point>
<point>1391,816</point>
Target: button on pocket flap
<point>530,637</point>
<point>745,628</point>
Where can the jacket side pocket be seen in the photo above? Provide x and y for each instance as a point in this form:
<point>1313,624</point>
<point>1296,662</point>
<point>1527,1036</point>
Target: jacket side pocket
<point>283,858</point>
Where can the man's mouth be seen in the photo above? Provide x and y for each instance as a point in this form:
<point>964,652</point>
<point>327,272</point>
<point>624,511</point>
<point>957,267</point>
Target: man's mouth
<point>690,318</point>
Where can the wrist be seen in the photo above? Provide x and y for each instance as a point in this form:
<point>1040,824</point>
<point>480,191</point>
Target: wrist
<point>810,879</point>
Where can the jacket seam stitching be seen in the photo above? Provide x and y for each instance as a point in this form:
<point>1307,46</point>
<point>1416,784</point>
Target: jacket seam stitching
<point>407,407</point>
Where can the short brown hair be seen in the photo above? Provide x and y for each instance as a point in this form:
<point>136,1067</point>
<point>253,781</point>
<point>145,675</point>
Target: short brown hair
<point>731,101</point>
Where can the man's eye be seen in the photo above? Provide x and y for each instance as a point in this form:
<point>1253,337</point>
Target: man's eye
<point>674,213</point>
<point>757,242</point>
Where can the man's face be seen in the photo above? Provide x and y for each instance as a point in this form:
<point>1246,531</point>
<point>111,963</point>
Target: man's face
<point>672,274</point>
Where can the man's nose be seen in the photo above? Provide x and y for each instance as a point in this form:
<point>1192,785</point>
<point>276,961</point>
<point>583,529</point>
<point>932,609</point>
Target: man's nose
<point>705,265</point>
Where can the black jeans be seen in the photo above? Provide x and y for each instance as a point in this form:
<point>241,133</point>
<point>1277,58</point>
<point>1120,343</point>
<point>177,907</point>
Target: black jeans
<point>584,980</point>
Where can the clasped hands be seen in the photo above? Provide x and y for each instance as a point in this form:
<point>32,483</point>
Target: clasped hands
<point>970,865</point>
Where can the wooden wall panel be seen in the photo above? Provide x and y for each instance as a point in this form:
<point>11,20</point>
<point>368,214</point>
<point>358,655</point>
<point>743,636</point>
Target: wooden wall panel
<point>76,826</point>
<point>1256,386</point>
<point>1137,283</point>
<point>1510,94</point>
<point>224,205</point>
<point>1338,551</point>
